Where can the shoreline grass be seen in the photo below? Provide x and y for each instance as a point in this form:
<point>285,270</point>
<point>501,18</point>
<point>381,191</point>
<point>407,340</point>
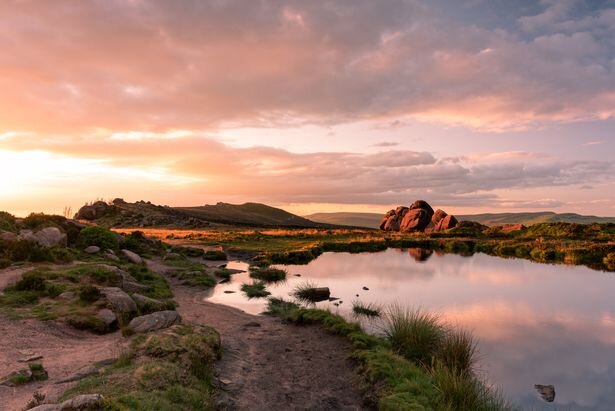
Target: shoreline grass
<point>442,380</point>
<point>268,274</point>
<point>369,310</point>
<point>257,289</point>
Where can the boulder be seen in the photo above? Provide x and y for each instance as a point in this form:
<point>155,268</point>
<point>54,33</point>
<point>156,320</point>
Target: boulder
<point>416,219</point>
<point>119,301</point>
<point>438,216</point>
<point>132,257</point>
<point>148,304</point>
<point>108,317</point>
<point>422,205</point>
<point>47,237</point>
<point>93,249</point>
<point>7,236</point>
<point>110,255</point>
<point>67,295</point>
<point>154,321</point>
<point>547,392</point>
<point>446,223</point>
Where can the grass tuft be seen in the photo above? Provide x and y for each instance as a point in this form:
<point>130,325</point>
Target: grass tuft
<point>268,274</point>
<point>257,289</point>
<point>309,293</point>
<point>370,310</point>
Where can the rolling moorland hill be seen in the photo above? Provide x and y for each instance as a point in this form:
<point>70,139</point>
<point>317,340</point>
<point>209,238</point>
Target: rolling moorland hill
<point>120,213</point>
<point>372,220</point>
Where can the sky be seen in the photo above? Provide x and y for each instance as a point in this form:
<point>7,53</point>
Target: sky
<point>319,106</point>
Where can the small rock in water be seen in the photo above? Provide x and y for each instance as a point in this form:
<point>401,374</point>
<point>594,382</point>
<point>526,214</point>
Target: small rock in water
<point>547,392</point>
<point>230,292</point>
<point>366,289</point>
<point>297,275</point>
<point>333,298</point>
<point>341,302</point>
<point>357,295</point>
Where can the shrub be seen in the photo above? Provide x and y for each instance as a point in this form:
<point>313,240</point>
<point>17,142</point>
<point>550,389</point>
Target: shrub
<point>98,236</point>
<point>89,294</point>
<point>413,334</point>
<point>609,261</point>
<point>7,221</point>
<point>40,220</point>
<point>32,281</point>
<point>215,255</point>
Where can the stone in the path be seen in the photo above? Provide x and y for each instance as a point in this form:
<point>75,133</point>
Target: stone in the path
<point>93,249</point>
<point>132,257</point>
<point>154,321</point>
<point>119,301</point>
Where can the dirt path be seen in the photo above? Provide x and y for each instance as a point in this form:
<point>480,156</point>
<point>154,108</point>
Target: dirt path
<point>267,365</point>
<point>63,351</point>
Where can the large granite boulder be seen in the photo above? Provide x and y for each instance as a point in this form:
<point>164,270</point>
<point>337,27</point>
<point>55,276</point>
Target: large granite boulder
<point>92,212</point>
<point>419,217</point>
<point>154,321</point>
<point>46,237</point>
<point>446,223</point>
<point>132,257</point>
<point>119,301</point>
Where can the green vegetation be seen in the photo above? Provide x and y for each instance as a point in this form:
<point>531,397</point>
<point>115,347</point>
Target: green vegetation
<point>257,289</point>
<point>167,371</point>
<point>369,310</point>
<point>7,221</point>
<point>35,372</point>
<point>194,278</point>
<point>442,378</point>
<point>98,236</point>
<point>268,274</point>
<point>309,293</point>
<point>215,255</point>
<point>157,286</point>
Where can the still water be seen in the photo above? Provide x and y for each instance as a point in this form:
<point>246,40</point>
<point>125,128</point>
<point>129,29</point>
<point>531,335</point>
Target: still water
<point>536,323</point>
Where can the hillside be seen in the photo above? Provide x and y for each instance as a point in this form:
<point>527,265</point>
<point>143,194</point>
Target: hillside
<point>372,220</point>
<point>247,214</point>
<point>120,213</point>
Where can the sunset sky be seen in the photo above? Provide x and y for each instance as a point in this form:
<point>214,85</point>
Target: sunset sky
<point>472,105</point>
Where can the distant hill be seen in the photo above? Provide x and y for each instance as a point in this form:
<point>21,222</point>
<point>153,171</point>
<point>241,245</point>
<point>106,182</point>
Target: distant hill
<point>247,214</point>
<point>372,220</point>
<point>120,213</point>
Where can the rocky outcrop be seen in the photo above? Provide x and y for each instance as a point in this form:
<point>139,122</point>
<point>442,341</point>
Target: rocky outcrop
<point>154,321</point>
<point>418,217</point>
<point>92,212</point>
<point>508,228</point>
<point>147,304</point>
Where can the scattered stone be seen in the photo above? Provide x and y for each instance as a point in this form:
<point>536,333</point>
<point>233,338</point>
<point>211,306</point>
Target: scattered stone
<point>547,392</point>
<point>225,381</point>
<point>67,295</point>
<point>119,301</point>
<point>93,249</point>
<point>132,257</point>
<point>108,317</point>
<point>154,321</point>
<point>365,288</point>
<point>229,292</point>
<point>357,295</point>
<point>297,275</point>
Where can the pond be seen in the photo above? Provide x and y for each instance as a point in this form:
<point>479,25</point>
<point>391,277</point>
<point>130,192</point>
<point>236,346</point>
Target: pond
<point>536,323</point>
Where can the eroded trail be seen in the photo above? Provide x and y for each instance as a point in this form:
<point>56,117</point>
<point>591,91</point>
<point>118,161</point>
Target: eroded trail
<point>267,365</point>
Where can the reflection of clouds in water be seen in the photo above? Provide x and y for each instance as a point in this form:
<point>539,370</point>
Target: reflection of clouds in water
<point>536,323</point>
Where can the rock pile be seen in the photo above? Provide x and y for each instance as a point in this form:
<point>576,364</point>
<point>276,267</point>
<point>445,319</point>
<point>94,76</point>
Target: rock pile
<point>419,217</point>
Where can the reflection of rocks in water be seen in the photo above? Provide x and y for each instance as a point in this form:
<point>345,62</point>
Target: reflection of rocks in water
<point>420,254</point>
<point>547,392</point>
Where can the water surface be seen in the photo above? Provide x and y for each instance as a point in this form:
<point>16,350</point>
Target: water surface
<point>536,323</point>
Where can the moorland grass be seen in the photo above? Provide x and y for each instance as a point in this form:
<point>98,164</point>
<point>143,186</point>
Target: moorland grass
<point>369,310</point>
<point>257,289</point>
<point>268,274</point>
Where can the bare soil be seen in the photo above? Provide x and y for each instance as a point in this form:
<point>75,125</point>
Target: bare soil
<point>268,365</point>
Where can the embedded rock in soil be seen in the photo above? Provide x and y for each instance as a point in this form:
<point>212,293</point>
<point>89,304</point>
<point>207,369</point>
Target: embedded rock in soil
<point>154,321</point>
